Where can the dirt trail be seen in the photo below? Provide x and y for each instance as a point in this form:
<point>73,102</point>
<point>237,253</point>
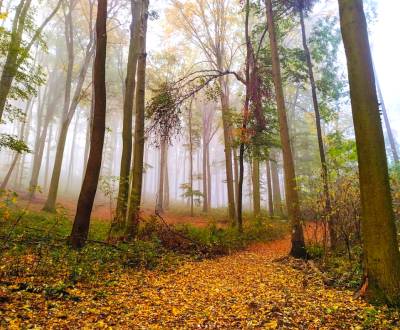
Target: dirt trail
<point>246,290</point>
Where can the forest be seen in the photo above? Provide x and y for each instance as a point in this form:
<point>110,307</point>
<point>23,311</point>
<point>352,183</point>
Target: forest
<point>199,164</point>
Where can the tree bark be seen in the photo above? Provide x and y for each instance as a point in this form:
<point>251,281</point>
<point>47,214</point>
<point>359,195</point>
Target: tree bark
<point>269,189</point>
<point>160,194</point>
<point>256,187</point>
<point>292,199</point>
<point>137,169</point>
<point>276,190</point>
<point>191,161</point>
<point>321,148</point>
<point>381,249</point>
<point>129,94</point>
<point>81,224</point>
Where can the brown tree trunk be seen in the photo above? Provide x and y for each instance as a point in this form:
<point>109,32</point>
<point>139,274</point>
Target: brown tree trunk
<point>191,161</point>
<point>321,148</point>
<point>292,199</point>
<point>228,151</point>
<point>269,189</point>
<point>166,181</point>
<point>256,187</point>
<point>381,249</point>
<point>46,169</point>
<point>276,190</point>
<point>138,152</point>
<point>161,178</point>
<point>80,227</point>
<point>130,83</point>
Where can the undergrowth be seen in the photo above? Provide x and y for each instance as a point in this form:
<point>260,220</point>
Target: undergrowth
<point>34,248</point>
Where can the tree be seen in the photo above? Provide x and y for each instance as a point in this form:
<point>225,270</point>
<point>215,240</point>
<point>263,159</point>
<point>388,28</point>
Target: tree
<point>303,7</point>
<point>17,52</point>
<point>381,250</point>
<point>138,151</point>
<point>292,199</point>
<point>81,224</point>
<point>70,106</point>
<point>269,188</point>
<point>211,18</point>
<point>130,82</point>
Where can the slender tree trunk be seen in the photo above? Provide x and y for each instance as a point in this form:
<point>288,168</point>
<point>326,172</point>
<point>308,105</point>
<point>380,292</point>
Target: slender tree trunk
<point>80,228</point>
<point>191,161</point>
<point>209,176</point>
<point>160,194</point>
<point>269,188</point>
<point>236,160</point>
<point>228,151</point>
<point>46,169</point>
<point>292,199</point>
<point>381,249</point>
<point>321,148</point>
<point>70,175</point>
<point>137,170</point>
<point>130,83</point>
<point>276,190</point>
<point>166,183</point>
<point>256,187</point>
<point>205,176</point>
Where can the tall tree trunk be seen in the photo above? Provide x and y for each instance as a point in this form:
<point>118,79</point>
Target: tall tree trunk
<point>321,148</point>
<point>205,174</point>
<point>46,169</point>
<point>269,189</point>
<point>292,199</point>
<point>276,190</point>
<point>381,249</point>
<point>191,161</point>
<point>228,149</point>
<point>209,177</point>
<point>160,194</point>
<point>80,228</point>
<point>130,83</point>
<point>137,169</point>
<point>256,187</point>
<point>70,175</point>
<point>166,182</point>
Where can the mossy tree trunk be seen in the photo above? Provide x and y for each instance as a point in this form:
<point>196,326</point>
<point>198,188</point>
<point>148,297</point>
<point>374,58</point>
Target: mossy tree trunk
<point>381,250</point>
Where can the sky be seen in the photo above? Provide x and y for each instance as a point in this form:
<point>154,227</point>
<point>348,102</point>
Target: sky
<point>386,54</point>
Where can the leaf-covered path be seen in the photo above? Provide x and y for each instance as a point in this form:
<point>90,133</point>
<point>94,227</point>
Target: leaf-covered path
<point>247,290</point>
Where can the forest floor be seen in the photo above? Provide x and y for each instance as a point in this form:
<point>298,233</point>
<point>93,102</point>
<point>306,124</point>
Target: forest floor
<point>255,288</point>
<point>258,288</point>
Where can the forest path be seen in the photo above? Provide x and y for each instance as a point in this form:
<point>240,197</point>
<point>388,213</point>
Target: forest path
<point>246,290</point>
